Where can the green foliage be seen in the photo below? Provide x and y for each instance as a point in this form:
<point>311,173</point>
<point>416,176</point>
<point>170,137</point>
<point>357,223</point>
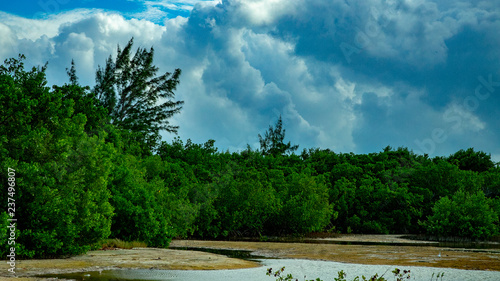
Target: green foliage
<point>278,275</point>
<point>399,275</point>
<point>64,196</point>
<point>273,141</point>
<point>491,179</point>
<point>148,205</point>
<point>117,243</point>
<point>88,167</point>
<point>305,204</point>
<point>439,276</point>
<point>139,208</point>
<point>465,214</point>
<point>4,234</point>
<point>61,172</point>
<point>435,180</point>
<point>85,102</point>
<point>246,203</point>
<point>135,97</point>
<point>471,160</point>
<point>372,193</point>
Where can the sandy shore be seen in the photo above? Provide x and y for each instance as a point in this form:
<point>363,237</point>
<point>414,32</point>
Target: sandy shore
<point>138,258</point>
<point>151,258</point>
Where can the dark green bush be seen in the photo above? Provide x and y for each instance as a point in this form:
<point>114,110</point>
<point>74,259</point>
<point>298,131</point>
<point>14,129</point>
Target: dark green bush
<point>62,202</point>
<point>139,213</point>
<point>305,206</point>
<point>465,214</point>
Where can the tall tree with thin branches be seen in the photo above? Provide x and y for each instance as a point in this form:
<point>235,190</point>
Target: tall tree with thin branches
<point>273,141</point>
<point>136,98</point>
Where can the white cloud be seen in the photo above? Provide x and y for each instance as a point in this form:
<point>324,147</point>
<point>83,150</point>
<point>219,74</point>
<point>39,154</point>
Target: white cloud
<point>80,48</point>
<point>346,89</point>
<point>161,11</point>
<point>265,12</point>
<point>91,40</point>
<point>32,29</point>
<point>246,62</point>
<point>181,4</point>
<point>8,43</point>
<point>460,118</point>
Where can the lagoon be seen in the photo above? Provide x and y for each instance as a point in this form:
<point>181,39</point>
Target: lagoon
<point>311,269</point>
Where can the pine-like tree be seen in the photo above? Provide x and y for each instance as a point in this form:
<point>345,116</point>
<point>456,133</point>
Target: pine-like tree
<point>273,141</point>
<point>137,100</point>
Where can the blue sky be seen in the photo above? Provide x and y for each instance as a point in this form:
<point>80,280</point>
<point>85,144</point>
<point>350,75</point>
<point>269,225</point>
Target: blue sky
<point>351,76</point>
<point>128,8</point>
<point>35,9</point>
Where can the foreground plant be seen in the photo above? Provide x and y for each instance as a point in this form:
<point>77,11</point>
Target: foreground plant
<point>400,275</point>
<point>439,276</point>
<point>117,243</point>
<point>278,274</point>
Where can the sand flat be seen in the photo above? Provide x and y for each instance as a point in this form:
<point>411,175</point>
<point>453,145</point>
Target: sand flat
<point>421,255</point>
<point>425,255</point>
<point>137,258</point>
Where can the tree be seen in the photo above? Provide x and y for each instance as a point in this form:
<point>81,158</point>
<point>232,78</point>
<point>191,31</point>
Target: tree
<point>471,160</point>
<point>140,211</point>
<point>137,99</point>
<point>465,214</point>
<point>273,141</point>
<point>305,206</point>
<point>85,102</point>
<point>61,172</point>
<point>73,79</point>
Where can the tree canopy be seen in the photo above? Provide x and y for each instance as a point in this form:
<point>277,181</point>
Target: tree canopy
<point>135,97</point>
<point>273,141</point>
<point>81,178</point>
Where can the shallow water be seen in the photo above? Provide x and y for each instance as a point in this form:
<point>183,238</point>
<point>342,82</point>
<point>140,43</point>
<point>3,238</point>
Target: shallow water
<point>412,242</point>
<point>325,270</point>
<point>467,245</point>
<point>237,254</point>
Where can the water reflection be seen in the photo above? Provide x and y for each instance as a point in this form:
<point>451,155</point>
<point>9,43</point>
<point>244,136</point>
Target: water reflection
<point>114,275</point>
<point>237,254</point>
<point>415,241</point>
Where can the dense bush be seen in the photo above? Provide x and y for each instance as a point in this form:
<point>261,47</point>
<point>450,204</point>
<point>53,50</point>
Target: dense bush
<point>370,206</point>
<point>61,172</point>
<point>305,206</point>
<point>246,203</point>
<point>465,214</point>
<point>139,213</point>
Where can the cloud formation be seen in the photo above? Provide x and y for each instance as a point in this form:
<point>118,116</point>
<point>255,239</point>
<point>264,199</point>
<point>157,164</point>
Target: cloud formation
<point>346,75</point>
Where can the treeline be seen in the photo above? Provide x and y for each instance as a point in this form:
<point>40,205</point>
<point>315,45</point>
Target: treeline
<point>393,191</point>
<point>86,171</point>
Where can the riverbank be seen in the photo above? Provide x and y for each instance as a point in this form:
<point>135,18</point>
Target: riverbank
<point>425,254</point>
<point>422,253</point>
<point>137,258</point>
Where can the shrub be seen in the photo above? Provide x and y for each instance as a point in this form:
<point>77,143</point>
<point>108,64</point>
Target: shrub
<point>306,207</point>
<point>399,275</point>
<point>117,243</point>
<point>467,215</point>
<point>139,208</point>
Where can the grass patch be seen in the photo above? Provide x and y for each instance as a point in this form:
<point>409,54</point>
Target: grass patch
<point>108,244</point>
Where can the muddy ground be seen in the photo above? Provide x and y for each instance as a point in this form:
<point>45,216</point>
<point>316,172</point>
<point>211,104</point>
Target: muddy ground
<point>413,253</point>
<point>137,258</point>
<point>425,254</point>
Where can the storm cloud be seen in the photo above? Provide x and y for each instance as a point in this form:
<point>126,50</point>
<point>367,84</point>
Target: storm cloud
<point>352,76</point>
